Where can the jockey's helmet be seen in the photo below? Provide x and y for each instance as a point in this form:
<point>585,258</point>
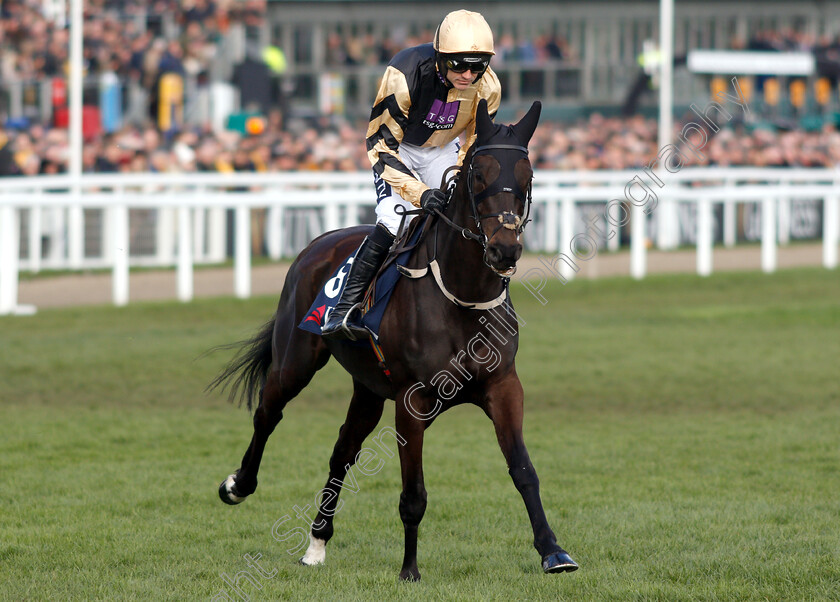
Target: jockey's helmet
<point>463,40</point>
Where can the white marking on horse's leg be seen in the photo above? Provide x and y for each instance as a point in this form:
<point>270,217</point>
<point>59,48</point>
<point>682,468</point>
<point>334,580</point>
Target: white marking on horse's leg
<point>229,482</point>
<point>316,552</point>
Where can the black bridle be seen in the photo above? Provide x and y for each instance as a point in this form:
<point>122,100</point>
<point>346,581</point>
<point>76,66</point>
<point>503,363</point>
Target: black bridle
<point>506,182</point>
<point>507,219</point>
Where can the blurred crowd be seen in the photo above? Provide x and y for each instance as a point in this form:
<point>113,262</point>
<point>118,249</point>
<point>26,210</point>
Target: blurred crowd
<point>131,39</point>
<point>337,145</point>
<point>140,41</point>
<point>631,143</point>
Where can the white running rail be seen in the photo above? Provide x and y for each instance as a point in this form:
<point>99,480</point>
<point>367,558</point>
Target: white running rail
<point>100,221</point>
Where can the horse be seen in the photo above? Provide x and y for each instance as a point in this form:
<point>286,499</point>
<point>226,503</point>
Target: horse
<point>427,335</point>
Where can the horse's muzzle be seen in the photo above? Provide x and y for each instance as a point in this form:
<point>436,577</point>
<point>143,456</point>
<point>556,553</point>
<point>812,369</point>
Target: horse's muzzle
<point>502,258</point>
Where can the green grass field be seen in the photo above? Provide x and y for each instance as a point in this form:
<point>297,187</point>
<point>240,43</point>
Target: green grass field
<point>686,432</point>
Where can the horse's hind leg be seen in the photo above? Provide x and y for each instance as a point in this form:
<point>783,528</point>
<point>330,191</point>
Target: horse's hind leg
<point>362,417</point>
<point>268,414</point>
<point>302,357</point>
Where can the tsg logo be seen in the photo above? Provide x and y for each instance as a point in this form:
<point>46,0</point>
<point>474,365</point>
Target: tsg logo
<point>442,115</point>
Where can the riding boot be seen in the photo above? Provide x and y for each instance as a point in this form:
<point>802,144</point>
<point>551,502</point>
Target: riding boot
<point>367,262</point>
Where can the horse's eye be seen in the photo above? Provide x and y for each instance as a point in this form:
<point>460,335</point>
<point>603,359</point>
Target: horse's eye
<point>479,177</point>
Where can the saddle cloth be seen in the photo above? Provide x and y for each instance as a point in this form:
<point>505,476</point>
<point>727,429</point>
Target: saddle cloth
<point>377,299</point>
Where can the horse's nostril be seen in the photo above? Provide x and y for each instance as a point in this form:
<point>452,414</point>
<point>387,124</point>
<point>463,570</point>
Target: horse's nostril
<point>504,254</point>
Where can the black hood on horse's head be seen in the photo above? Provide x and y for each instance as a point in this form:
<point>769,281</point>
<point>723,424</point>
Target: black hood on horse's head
<point>519,134</point>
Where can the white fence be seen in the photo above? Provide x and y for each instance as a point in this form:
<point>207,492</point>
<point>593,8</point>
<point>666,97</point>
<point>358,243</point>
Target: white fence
<point>100,221</point>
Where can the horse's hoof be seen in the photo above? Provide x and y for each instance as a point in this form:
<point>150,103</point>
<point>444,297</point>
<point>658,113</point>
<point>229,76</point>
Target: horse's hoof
<point>409,575</point>
<point>316,553</point>
<point>559,562</point>
<point>228,492</point>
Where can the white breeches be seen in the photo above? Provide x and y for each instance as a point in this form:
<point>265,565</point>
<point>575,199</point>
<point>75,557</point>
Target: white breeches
<point>428,164</point>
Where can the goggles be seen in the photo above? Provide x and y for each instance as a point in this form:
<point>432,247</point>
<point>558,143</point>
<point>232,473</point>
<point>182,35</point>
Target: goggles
<point>460,64</point>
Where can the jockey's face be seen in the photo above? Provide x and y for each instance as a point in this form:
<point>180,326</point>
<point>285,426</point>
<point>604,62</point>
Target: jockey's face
<point>461,81</point>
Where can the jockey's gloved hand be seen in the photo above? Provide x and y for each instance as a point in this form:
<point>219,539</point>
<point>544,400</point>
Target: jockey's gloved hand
<point>433,199</point>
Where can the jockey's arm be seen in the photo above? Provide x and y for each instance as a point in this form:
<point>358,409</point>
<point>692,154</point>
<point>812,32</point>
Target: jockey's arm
<point>386,129</point>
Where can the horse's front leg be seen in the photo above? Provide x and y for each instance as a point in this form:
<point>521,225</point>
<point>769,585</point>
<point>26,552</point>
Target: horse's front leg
<point>504,407</point>
<point>413,496</point>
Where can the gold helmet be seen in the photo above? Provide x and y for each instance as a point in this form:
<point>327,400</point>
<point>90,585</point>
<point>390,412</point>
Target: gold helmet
<point>464,32</point>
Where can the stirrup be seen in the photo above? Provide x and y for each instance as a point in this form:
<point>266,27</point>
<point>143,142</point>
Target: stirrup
<point>353,331</point>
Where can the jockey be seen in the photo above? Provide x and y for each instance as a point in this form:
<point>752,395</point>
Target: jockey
<point>427,99</point>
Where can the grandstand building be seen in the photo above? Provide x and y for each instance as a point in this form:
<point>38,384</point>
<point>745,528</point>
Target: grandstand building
<point>570,55</point>
<point>326,57</point>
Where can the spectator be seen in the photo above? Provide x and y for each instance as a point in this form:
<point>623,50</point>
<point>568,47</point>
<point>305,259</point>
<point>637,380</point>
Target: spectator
<point>253,79</point>
<point>110,158</point>
<point>8,167</point>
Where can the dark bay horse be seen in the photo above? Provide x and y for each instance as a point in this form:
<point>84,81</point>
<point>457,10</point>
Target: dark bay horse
<point>449,336</point>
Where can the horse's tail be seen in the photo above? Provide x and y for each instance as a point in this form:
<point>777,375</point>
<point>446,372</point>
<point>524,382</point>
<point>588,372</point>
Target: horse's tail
<point>245,373</point>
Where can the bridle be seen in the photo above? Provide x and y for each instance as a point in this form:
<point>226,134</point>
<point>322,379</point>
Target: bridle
<point>506,182</point>
<point>507,219</point>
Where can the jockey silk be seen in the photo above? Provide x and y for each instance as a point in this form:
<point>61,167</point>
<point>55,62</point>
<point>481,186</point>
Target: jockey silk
<point>416,106</point>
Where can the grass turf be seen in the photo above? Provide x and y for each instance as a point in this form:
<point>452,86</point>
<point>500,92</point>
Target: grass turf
<point>684,430</point>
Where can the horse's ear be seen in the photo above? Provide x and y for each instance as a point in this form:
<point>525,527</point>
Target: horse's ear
<point>526,126</point>
<point>483,123</point>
